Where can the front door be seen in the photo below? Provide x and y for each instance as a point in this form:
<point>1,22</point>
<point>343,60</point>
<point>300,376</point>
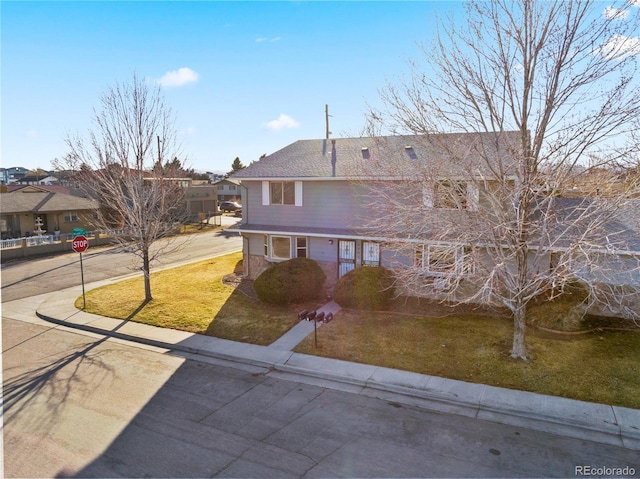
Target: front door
<point>346,256</point>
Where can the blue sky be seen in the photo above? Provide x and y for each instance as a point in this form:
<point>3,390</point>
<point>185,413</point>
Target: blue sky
<point>244,78</point>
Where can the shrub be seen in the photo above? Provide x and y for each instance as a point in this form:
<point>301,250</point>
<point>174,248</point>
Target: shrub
<point>366,287</point>
<point>565,312</point>
<point>292,281</point>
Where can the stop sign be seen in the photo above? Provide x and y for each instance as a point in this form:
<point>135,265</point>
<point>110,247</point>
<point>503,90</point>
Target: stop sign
<point>80,244</point>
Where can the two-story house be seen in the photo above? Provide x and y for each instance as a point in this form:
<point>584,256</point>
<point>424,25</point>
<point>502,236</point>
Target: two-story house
<point>309,199</point>
<point>314,199</point>
<point>228,190</point>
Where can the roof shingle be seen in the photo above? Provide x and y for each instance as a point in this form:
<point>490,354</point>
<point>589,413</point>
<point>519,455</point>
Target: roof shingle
<point>453,154</point>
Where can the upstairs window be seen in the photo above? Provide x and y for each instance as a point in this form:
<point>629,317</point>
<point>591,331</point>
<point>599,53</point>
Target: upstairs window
<point>282,193</point>
<point>452,195</point>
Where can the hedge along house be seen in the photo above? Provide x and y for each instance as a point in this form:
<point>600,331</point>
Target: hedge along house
<point>313,199</point>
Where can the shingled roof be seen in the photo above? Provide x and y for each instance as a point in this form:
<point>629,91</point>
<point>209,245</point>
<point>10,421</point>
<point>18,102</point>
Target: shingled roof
<point>43,202</point>
<point>453,154</point>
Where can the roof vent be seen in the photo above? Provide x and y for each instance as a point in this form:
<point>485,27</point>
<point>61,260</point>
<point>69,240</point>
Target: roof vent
<point>365,153</point>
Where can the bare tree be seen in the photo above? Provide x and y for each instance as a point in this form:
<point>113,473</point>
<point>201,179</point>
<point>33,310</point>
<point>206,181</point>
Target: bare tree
<point>133,131</point>
<point>545,90</point>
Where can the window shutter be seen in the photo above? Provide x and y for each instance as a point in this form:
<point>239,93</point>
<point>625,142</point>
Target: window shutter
<point>473,196</point>
<point>427,196</point>
<point>265,193</point>
<point>298,193</point>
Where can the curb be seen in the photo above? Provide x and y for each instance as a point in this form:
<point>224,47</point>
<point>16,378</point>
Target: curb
<point>600,423</point>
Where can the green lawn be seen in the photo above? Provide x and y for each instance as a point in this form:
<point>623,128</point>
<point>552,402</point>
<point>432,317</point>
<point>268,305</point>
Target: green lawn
<point>193,298</point>
<point>598,366</point>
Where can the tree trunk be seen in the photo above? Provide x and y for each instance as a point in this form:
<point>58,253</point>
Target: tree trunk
<point>147,275</point>
<point>519,349</point>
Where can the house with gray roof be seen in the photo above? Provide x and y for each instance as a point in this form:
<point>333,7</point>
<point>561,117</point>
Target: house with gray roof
<point>228,189</point>
<point>313,199</point>
<point>308,199</point>
<point>38,209</point>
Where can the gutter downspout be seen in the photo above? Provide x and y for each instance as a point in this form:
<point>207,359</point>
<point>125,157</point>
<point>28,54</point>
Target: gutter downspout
<point>245,219</point>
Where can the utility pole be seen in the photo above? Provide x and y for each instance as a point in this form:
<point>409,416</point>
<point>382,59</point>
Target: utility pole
<point>326,119</point>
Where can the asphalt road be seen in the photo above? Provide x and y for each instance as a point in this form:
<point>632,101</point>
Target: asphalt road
<point>31,277</point>
<point>87,406</point>
<point>77,404</point>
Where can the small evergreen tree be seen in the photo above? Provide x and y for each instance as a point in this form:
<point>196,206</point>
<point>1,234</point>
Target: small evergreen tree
<point>236,166</point>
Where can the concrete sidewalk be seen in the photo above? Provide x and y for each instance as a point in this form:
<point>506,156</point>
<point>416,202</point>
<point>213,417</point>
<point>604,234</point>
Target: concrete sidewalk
<point>589,421</point>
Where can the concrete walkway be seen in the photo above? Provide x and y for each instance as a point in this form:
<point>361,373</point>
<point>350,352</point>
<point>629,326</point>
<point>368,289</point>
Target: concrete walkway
<point>589,421</point>
<point>295,335</point>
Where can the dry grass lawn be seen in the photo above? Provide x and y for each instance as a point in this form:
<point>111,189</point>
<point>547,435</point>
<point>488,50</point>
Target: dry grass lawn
<point>600,366</point>
<point>193,298</point>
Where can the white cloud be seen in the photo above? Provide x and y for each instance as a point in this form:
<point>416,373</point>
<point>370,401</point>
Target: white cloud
<point>283,122</point>
<point>180,77</point>
<point>619,46</point>
<point>612,12</point>
<point>268,40</point>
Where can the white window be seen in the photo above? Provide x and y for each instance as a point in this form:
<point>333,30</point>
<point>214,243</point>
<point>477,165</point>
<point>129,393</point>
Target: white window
<point>301,247</point>
<point>444,260</point>
<point>282,193</point>
<point>456,195</point>
<point>280,247</point>
<point>451,195</point>
<point>441,259</point>
<point>71,216</point>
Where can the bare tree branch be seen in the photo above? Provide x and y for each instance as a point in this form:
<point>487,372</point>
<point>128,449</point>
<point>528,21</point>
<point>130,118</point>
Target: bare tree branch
<point>134,130</point>
<point>548,95</point>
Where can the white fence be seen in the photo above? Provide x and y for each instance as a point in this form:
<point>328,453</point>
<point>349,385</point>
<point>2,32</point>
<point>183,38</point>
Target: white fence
<point>41,240</point>
<point>30,241</point>
<point>11,243</point>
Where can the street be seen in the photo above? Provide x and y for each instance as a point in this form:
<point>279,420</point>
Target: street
<point>79,404</point>
<point>31,277</point>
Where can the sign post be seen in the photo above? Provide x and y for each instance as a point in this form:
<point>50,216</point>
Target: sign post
<point>80,244</point>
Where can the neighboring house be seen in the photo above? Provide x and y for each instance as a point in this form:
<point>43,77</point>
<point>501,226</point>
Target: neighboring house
<point>51,188</point>
<point>39,209</point>
<point>228,190</point>
<point>201,201</point>
<point>45,179</point>
<point>9,175</point>
<point>309,199</point>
